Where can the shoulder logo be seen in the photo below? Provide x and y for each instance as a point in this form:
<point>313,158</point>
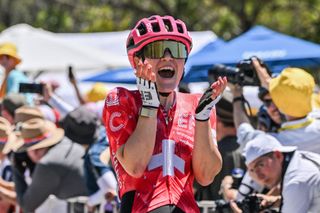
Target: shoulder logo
<point>112,100</point>
<point>113,127</point>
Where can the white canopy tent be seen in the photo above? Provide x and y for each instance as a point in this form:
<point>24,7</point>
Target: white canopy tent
<point>115,42</point>
<point>41,50</point>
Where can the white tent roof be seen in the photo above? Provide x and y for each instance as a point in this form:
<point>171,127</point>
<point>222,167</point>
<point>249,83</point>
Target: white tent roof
<point>115,42</point>
<point>42,50</point>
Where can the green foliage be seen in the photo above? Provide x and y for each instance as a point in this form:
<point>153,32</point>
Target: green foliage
<point>227,18</point>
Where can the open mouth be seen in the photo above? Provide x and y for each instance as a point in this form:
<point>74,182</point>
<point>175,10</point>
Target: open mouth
<point>166,72</point>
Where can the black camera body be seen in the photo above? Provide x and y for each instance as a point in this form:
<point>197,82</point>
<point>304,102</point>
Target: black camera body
<point>31,88</point>
<point>244,74</point>
<point>250,204</point>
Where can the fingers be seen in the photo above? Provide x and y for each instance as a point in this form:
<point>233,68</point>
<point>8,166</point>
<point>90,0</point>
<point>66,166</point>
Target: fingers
<point>219,86</point>
<point>235,207</point>
<point>144,70</point>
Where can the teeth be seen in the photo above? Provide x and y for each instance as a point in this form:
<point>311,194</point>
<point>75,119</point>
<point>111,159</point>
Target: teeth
<point>166,68</point>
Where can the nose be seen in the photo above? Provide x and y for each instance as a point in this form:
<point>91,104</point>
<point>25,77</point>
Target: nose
<point>167,54</point>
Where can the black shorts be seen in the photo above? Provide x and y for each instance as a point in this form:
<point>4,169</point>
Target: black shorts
<point>127,203</point>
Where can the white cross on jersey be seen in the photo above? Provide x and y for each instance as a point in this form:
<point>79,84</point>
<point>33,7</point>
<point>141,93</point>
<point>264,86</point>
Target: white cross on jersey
<point>167,159</point>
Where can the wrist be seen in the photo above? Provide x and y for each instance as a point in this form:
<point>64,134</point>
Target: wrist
<point>239,98</point>
<point>148,112</point>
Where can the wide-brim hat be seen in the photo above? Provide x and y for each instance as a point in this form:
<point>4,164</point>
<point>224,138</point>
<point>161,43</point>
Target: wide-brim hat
<point>38,133</point>
<point>105,156</point>
<point>25,113</point>
<point>7,137</point>
<point>10,49</point>
<point>291,92</point>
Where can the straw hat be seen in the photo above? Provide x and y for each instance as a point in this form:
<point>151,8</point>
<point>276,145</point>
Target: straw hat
<point>25,113</point>
<point>10,49</point>
<point>38,133</point>
<point>7,137</point>
<point>105,156</point>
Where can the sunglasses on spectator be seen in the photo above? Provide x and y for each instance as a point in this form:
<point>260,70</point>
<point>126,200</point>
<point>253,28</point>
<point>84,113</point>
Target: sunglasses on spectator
<point>156,50</point>
<point>267,102</point>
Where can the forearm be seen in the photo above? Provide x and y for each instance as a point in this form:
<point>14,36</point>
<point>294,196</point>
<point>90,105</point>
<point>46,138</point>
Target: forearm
<point>239,114</point>
<point>6,184</point>
<point>206,158</point>
<point>8,195</point>
<point>63,107</point>
<point>136,153</point>
<point>79,96</point>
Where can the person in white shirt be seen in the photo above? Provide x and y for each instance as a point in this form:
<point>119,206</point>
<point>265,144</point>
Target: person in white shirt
<point>297,173</point>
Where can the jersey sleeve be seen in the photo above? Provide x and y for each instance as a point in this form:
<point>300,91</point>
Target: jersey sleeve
<point>120,116</point>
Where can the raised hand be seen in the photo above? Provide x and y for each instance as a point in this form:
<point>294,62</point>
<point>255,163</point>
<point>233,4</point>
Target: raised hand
<point>210,98</point>
<point>146,85</point>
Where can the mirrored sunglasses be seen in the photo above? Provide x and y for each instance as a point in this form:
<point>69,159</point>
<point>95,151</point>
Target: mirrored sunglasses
<point>156,50</point>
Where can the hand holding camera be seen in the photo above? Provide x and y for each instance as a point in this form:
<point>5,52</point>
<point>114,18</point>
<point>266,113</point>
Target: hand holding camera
<point>249,72</point>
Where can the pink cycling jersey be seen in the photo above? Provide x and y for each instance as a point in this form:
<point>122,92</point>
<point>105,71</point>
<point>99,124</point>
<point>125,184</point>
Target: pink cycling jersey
<point>168,179</point>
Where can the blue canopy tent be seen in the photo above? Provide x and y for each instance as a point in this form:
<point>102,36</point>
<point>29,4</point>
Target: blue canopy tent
<point>276,49</point>
<point>119,75</point>
<point>125,75</point>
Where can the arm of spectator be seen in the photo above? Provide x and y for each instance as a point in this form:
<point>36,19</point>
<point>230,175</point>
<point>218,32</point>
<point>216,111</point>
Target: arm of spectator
<point>44,182</point>
<point>245,130</point>
<point>296,198</point>
<point>225,189</point>
<point>74,83</point>
<point>107,184</point>
<point>262,73</point>
<point>6,184</point>
<point>239,114</point>
<point>8,195</point>
<point>55,101</point>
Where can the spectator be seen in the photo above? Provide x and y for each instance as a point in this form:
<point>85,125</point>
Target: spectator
<point>298,173</point>
<point>7,144</point>
<point>83,127</point>
<point>59,165</point>
<point>9,105</point>
<point>291,92</point>
<point>9,59</point>
<point>269,117</point>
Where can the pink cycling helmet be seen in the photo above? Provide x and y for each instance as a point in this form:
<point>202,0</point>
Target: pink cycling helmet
<point>156,28</point>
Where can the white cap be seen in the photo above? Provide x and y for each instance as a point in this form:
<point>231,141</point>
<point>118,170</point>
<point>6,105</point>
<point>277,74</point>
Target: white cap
<point>263,144</point>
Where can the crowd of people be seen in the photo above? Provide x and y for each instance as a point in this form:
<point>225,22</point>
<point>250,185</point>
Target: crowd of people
<point>155,149</point>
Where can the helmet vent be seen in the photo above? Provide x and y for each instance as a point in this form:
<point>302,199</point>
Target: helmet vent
<point>180,28</point>
<point>167,24</point>
<point>155,27</point>
<point>142,29</point>
<point>130,43</point>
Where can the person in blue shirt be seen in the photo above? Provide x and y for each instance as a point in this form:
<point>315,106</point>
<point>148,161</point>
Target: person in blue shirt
<point>9,59</point>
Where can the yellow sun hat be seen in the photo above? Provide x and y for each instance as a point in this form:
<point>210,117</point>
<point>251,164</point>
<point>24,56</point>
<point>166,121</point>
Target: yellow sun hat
<point>10,49</point>
<point>315,100</point>
<point>98,92</point>
<point>291,91</point>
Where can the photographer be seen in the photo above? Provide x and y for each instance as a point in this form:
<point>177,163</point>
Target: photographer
<point>297,172</point>
<point>291,93</point>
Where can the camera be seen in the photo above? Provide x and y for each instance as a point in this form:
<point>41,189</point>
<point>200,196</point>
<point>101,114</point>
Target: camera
<point>244,74</point>
<point>250,204</point>
<point>30,88</point>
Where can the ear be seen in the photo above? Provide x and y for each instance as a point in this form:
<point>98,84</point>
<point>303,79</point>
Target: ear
<point>278,155</point>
